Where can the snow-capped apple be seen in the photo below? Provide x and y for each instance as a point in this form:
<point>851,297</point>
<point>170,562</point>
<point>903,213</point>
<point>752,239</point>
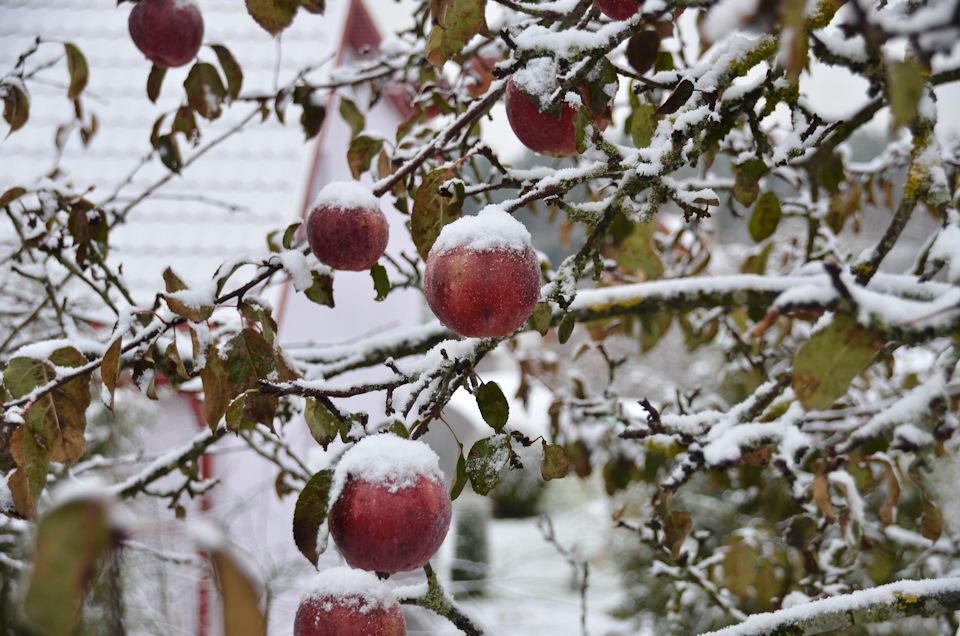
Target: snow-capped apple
<point>483,276</point>
<point>346,602</point>
<point>549,132</point>
<point>346,228</point>
<point>618,9</point>
<point>391,509</point>
<point>168,32</point>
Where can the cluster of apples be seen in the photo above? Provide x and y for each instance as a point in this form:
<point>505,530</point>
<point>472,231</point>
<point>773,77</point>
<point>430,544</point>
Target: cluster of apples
<point>390,513</point>
<point>482,274</point>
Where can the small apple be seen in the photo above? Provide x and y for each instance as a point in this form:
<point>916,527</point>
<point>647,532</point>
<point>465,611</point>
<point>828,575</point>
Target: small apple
<point>543,131</point>
<point>346,228</point>
<point>346,602</point>
<point>618,9</point>
<point>168,32</point>
<point>391,509</point>
<point>482,275</point>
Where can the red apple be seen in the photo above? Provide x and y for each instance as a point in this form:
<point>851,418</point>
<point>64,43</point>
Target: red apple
<point>168,32</point>
<point>544,131</point>
<point>482,275</point>
<point>346,228</point>
<point>618,9</point>
<point>345,602</point>
<point>391,509</point>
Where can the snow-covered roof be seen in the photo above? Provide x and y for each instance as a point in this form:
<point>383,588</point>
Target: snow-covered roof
<point>224,204</point>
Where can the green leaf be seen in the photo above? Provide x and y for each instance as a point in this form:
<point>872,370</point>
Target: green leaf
<point>290,234</point>
<point>600,84</point>
<point>582,121</point>
<point>155,81</point>
<point>431,211</point>
<point>16,105</point>
<point>11,195</point>
<point>905,87</point>
<point>565,329</point>
<point>493,405</point>
<point>314,110</point>
<point>184,122</point>
<point>57,420</point>
<point>765,217</point>
<point>352,115</point>
<point>542,317</point>
<point>652,328</point>
<point>455,22</point>
<point>77,67</point>
<point>323,424</point>
<point>381,283</point>
<point>460,475</point>
<point>231,70</point>
<point>555,463</point>
<point>642,50</point>
<point>485,460</point>
<point>745,187</point>
<point>310,513</point>
<point>73,543</point>
<point>205,90</point>
<point>680,95</point>
<point>321,290</point>
<point>363,150</point>
<point>831,359</point>
<point>313,6</point>
<point>753,169</point>
<point>273,15</point>
<point>638,252</point>
<point>832,173</point>
<point>169,153</point>
<point>643,124</point>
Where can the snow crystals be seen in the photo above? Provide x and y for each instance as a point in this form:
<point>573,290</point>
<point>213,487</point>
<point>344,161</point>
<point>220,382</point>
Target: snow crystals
<point>386,459</point>
<point>354,588</point>
<point>346,195</point>
<point>491,229</point>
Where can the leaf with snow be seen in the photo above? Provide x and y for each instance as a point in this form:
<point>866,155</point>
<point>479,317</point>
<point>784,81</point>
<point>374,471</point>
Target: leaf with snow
<point>54,424</point>
<point>485,460</point>
<point>205,90</point>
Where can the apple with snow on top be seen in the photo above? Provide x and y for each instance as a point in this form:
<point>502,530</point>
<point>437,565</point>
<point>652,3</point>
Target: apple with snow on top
<point>168,32</point>
<point>534,124</point>
<point>346,602</point>
<point>391,509</point>
<point>618,9</point>
<point>346,228</point>
<point>483,276</point>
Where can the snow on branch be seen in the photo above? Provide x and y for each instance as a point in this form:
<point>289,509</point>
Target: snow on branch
<point>884,603</point>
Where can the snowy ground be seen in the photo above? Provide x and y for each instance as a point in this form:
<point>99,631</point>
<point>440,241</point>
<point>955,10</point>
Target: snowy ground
<point>532,589</point>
